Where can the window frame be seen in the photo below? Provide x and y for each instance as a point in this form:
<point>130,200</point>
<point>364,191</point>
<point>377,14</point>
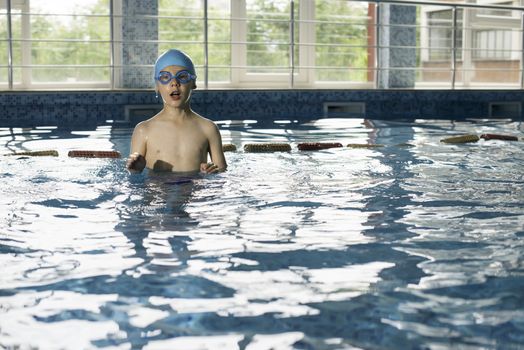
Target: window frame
<point>304,72</point>
<point>427,31</point>
<point>498,23</point>
<point>240,77</point>
<point>26,82</point>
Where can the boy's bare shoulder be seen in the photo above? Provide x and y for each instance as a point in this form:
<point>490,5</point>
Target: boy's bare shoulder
<point>141,130</point>
<point>147,124</point>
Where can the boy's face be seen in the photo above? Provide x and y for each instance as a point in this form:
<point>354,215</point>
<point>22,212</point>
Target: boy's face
<point>175,92</point>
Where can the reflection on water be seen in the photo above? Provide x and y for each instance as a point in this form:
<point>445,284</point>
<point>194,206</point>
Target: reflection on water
<point>413,245</point>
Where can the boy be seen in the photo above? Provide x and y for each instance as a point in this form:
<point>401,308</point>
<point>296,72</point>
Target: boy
<point>176,139</point>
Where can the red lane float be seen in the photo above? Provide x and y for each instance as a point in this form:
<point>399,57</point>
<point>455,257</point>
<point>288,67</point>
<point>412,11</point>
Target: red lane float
<point>93,154</point>
<point>499,137</point>
<point>315,146</point>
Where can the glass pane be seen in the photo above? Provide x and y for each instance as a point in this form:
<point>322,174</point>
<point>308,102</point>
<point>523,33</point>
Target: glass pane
<point>76,32</point>
<point>70,7</point>
<point>343,30</point>
<point>495,52</point>
<point>437,74</point>
<point>70,53</point>
<point>435,53</point>
<point>491,73</point>
<point>181,26</point>
<point>440,38</point>
<point>219,62</point>
<point>16,31</point>
<point>219,36</point>
<point>497,13</point>
<point>268,36</point>
<point>67,75</point>
<point>341,74</point>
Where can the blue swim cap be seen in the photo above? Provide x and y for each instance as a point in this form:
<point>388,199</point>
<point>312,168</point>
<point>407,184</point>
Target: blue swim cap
<point>173,57</point>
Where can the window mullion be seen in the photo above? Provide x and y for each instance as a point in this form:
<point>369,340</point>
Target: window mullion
<point>117,43</point>
<point>26,46</point>
<point>238,39</point>
<point>306,37</point>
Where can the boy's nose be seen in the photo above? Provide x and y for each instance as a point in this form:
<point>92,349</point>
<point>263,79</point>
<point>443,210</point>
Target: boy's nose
<point>175,82</point>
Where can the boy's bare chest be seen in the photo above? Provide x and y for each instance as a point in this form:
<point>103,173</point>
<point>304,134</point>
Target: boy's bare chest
<point>176,140</point>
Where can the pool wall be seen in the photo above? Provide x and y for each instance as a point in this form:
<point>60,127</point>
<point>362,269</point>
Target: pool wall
<point>91,108</point>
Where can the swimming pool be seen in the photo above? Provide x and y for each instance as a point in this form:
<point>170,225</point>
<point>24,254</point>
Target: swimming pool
<point>416,244</point>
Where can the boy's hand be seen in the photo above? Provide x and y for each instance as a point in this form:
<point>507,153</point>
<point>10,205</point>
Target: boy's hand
<point>209,168</point>
<point>136,162</point>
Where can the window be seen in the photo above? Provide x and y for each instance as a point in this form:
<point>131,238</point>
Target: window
<point>181,25</point>
<point>262,41</point>
<point>268,36</point>
<point>488,42</point>
<point>343,31</point>
<point>326,41</point>
<point>497,13</point>
<point>59,44</point>
<point>492,44</point>
<point>493,33</point>
<point>257,43</point>
<point>440,25</point>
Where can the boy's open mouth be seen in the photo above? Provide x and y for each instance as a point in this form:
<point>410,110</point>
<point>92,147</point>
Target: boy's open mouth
<point>174,93</point>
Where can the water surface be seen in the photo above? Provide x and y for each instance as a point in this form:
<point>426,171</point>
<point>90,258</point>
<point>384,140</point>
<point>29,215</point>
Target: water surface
<point>413,245</point>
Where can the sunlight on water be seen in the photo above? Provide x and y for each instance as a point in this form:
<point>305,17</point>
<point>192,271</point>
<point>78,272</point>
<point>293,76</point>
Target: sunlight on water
<point>416,244</point>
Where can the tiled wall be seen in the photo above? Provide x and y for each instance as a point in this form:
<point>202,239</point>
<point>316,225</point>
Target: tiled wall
<point>90,108</point>
<point>135,52</point>
<point>398,40</point>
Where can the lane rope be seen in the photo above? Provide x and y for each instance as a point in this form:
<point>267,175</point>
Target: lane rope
<point>228,147</point>
<point>364,145</point>
<point>272,147</point>
<point>314,146</point>
<point>499,137</point>
<point>267,147</point>
<point>461,139</point>
<point>93,154</point>
<point>46,153</point>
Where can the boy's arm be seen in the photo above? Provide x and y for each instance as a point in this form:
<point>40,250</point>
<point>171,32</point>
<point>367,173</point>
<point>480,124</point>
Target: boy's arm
<point>215,149</point>
<point>136,161</point>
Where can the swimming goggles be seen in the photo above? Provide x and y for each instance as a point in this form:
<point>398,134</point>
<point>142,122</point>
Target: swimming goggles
<point>183,77</point>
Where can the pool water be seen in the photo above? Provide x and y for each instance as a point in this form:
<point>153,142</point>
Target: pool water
<point>414,245</point>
